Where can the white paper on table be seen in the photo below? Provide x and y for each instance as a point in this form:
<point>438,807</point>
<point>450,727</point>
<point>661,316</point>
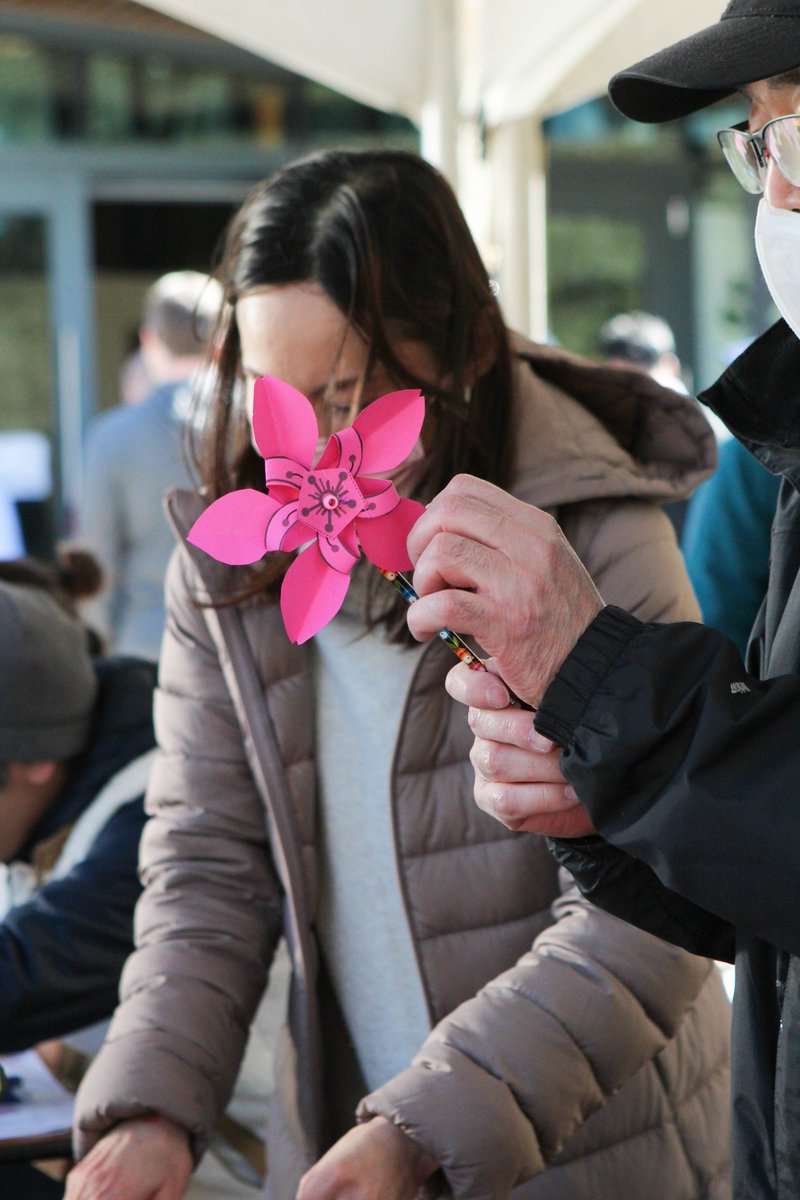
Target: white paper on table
<point>45,1105</point>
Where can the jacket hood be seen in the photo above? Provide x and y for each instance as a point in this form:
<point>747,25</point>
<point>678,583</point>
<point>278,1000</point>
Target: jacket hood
<point>589,432</point>
<point>758,398</point>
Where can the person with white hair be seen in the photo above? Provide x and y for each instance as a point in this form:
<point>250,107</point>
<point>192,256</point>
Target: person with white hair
<point>134,454</point>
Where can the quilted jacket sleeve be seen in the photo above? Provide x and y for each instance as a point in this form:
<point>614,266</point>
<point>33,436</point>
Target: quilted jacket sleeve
<point>503,1082</point>
<point>210,916</point>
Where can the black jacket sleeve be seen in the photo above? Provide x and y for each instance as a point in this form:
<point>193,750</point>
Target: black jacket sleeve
<point>61,954</point>
<point>688,766</point>
<point>628,888</point>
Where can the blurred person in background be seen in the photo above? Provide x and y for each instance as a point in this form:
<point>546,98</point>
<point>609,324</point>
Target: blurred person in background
<point>644,342</point>
<point>76,741</point>
<point>134,454</point>
<point>76,747</point>
<point>135,384</point>
<point>726,541</point>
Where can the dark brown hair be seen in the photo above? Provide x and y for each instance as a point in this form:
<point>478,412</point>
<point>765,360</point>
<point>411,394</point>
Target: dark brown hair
<point>382,234</point>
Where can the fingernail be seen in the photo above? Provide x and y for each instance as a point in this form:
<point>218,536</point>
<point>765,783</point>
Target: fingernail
<point>537,741</point>
<point>498,696</point>
<point>570,794</point>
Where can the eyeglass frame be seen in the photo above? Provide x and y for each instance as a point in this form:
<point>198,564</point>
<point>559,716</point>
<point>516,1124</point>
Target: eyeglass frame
<point>761,150</point>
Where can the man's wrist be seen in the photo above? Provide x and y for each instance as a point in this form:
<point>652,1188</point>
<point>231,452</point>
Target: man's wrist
<point>578,677</point>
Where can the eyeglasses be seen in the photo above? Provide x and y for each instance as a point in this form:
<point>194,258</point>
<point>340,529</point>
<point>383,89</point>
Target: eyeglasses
<point>748,154</point>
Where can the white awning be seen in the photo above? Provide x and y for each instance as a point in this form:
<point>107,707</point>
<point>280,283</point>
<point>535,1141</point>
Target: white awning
<point>513,57</point>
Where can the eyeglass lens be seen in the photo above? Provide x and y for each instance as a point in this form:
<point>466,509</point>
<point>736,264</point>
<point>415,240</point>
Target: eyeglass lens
<point>781,138</point>
<point>783,143</point>
<point>741,157</point>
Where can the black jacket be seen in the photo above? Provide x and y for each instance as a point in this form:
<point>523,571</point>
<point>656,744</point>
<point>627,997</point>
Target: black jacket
<point>62,952</point>
<point>689,765</point>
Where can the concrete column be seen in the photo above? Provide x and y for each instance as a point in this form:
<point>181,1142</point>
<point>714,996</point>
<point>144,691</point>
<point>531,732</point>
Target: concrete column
<point>516,154</point>
<point>439,118</point>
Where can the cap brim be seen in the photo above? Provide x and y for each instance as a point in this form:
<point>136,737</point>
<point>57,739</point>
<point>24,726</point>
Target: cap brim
<point>707,66</point>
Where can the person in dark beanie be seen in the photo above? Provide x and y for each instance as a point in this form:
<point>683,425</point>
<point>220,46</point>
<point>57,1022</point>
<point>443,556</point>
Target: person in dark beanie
<point>680,811</point>
<point>76,738</point>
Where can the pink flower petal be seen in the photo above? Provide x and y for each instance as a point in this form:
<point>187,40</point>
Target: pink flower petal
<point>279,525</point>
<point>337,555</point>
<point>383,539</point>
<point>298,535</point>
<point>349,451</point>
<point>284,493</point>
<point>280,471</point>
<point>233,528</point>
<point>389,428</point>
<point>311,595</point>
<point>331,454</point>
<point>284,421</point>
<point>349,540</point>
<point>380,494</point>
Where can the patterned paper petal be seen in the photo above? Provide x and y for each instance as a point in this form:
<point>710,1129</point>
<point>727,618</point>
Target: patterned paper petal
<point>298,535</point>
<point>233,528</point>
<point>280,523</point>
<point>349,539</point>
<point>284,493</point>
<point>331,454</point>
<point>311,595</point>
<point>389,428</point>
<point>380,494</point>
<point>337,555</point>
<point>383,540</point>
<point>348,451</point>
<point>280,471</point>
<point>284,421</point>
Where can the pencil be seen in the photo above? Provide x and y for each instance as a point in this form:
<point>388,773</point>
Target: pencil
<point>456,643</point>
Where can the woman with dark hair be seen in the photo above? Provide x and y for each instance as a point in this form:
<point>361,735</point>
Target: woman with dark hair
<point>493,1031</point>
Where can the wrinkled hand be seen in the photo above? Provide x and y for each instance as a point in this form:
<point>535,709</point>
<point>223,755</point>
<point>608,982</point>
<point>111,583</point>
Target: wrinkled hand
<point>518,778</point>
<point>375,1161</point>
<point>141,1159</point>
<point>501,572</point>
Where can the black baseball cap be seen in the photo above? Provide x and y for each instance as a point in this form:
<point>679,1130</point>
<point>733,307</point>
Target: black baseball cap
<point>753,39</point>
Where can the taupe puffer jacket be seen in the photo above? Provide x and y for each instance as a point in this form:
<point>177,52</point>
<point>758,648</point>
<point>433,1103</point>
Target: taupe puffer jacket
<point>568,1049</point>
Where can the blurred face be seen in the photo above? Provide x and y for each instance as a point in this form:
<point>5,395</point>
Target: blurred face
<point>769,99</point>
<point>296,332</point>
<point>26,792</point>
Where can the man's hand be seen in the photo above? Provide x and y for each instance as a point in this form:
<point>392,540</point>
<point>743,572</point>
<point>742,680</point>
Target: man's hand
<point>518,779</point>
<point>501,572</point>
<point>145,1158</point>
<point>375,1161</point>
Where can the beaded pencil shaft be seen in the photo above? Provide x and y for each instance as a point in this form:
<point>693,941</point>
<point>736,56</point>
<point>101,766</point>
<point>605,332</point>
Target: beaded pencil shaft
<point>456,643</point>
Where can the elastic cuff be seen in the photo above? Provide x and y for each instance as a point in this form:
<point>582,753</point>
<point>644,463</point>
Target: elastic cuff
<point>565,700</point>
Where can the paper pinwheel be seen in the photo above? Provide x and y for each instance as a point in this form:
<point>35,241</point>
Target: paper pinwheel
<point>333,508</point>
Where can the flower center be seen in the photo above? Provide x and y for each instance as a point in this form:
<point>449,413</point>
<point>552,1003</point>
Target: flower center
<point>329,500</point>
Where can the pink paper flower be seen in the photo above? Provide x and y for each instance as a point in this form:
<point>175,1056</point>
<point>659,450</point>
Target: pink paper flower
<point>333,508</point>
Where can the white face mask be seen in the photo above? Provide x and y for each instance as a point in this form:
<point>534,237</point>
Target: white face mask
<point>778,249</point>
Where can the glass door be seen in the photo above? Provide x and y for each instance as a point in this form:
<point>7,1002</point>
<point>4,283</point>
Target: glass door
<point>45,359</point>
<point>28,419</point>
